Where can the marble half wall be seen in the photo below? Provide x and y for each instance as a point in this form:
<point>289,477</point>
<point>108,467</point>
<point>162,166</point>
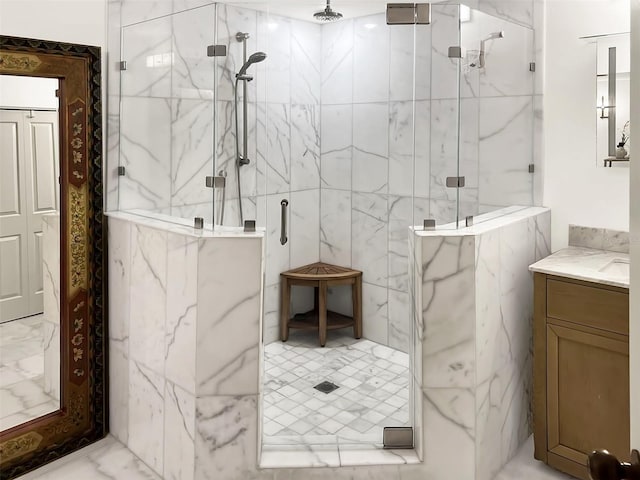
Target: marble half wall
<point>474,335</point>
<point>185,340</point>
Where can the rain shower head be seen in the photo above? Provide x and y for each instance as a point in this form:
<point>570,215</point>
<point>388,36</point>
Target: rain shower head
<point>255,58</point>
<point>327,15</point>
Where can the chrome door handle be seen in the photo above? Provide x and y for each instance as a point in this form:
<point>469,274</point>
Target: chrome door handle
<point>283,222</point>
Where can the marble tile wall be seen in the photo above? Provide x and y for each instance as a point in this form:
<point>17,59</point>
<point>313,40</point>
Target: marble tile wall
<point>371,132</point>
<point>284,140</point>
<point>367,169</point>
<point>179,338</point>
<point>476,346</point>
<point>51,303</point>
<point>599,238</point>
<point>324,125</point>
<point>471,365</point>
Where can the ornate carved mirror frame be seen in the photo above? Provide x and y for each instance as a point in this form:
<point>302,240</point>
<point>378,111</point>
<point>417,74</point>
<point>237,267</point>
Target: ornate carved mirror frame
<point>82,417</point>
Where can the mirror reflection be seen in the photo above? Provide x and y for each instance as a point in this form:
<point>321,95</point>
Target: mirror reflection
<point>29,249</point>
<point>613,90</point>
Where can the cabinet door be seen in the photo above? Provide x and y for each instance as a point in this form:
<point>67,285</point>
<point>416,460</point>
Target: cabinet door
<point>587,393</point>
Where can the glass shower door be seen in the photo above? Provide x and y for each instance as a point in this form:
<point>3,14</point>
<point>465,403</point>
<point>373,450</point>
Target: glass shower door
<point>167,111</point>
<point>497,113</point>
<point>437,141</point>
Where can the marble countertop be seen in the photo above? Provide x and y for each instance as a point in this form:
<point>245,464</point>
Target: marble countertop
<point>579,263</point>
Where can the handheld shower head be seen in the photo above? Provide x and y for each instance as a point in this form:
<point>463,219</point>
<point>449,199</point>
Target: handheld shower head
<point>255,58</point>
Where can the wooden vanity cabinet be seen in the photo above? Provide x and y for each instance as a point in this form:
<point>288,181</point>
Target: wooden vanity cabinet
<point>581,372</point>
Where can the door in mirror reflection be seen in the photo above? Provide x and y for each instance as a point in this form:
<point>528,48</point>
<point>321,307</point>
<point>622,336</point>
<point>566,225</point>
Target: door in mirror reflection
<point>29,250</point>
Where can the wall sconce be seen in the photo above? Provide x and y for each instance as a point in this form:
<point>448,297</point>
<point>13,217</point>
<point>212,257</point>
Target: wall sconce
<point>608,112</point>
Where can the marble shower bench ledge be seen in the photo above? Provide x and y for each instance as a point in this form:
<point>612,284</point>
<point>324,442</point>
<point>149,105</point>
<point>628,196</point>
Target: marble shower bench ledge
<point>181,226</point>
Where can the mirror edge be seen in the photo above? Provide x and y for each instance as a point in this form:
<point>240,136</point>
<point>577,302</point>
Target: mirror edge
<point>83,417</point>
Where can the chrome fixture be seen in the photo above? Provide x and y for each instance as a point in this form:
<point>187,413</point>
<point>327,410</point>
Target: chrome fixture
<point>243,159</point>
<point>249,226</point>
<point>216,51</point>
<point>456,52</point>
<point>429,224</point>
<point>408,13</point>
<point>255,58</point>
<point>455,182</point>
<point>198,223</point>
<point>397,437</point>
<point>283,221</point>
<point>481,56</point>
<point>328,14</point>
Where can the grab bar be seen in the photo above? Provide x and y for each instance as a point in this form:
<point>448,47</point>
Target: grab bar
<point>283,222</point>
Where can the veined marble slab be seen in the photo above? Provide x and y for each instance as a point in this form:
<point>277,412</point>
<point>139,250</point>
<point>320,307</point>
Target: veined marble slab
<point>586,264</point>
<point>599,238</point>
<point>180,226</point>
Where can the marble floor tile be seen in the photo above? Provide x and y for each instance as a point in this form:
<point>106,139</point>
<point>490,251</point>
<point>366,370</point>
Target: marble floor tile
<point>373,391</point>
<point>523,465</point>
<point>22,393</point>
<point>107,459</point>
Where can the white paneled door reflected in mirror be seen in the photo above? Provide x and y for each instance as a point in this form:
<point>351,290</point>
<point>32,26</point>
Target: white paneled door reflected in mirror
<point>29,249</point>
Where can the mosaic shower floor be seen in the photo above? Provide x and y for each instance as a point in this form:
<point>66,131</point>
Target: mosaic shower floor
<point>22,395</point>
<point>373,391</point>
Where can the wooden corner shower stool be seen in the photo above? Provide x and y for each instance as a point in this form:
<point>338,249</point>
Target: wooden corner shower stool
<point>321,276</point>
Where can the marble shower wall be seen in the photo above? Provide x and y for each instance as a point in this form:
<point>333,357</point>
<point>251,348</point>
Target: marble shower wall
<point>184,339</point>
<point>284,141</point>
<point>185,377</point>
<point>474,335</point>
<point>371,128</point>
<point>367,168</point>
<point>326,129</point>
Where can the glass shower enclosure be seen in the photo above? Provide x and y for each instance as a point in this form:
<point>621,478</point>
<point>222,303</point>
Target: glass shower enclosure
<point>355,131</point>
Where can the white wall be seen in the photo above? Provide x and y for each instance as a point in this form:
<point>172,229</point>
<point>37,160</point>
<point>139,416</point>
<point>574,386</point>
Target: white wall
<point>74,21</point>
<point>577,190</point>
<point>634,316</point>
<point>28,92</point>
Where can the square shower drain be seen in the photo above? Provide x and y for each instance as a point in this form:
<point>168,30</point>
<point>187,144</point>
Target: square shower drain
<point>326,387</point>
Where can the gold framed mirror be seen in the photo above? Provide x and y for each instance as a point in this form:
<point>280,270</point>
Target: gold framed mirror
<point>81,417</point>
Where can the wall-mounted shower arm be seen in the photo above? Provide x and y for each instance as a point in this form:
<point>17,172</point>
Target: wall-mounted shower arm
<point>481,56</point>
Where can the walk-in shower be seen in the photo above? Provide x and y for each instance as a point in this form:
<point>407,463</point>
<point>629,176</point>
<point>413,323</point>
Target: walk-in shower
<point>363,130</point>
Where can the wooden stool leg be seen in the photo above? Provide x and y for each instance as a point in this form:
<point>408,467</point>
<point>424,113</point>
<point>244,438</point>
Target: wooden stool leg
<point>356,295</point>
<point>322,313</point>
<point>285,298</point>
